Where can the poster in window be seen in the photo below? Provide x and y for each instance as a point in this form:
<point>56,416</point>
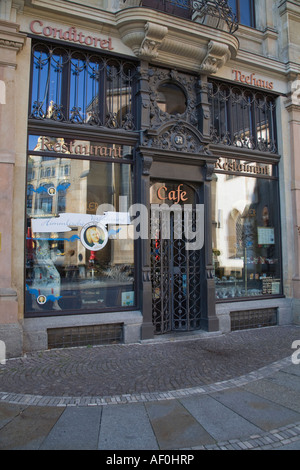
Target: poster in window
<point>266,236</point>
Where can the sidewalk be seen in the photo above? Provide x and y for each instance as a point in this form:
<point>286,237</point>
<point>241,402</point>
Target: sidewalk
<point>234,391</point>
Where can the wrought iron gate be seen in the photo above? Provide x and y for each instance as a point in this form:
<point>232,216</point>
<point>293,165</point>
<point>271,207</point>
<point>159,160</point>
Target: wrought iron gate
<point>176,283</point>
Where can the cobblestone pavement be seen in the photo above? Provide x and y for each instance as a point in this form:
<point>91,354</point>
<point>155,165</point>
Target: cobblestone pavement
<point>234,391</point>
<point>148,367</point>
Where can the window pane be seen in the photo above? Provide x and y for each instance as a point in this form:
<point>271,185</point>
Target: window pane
<point>246,13</point>
<point>246,245</point>
<point>243,118</point>
<point>77,257</point>
<point>69,86</point>
<point>232,4</point>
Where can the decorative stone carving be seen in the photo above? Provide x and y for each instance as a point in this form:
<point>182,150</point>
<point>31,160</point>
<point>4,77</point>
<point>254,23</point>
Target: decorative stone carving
<point>176,137</point>
<point>172,44</point>
<point>295,92</point>
<point>12,41</point>
<point>147,162</point>
<point>187,83</point>
<point>209,167</point>
<point>153,39</point>
<point>217,56</point>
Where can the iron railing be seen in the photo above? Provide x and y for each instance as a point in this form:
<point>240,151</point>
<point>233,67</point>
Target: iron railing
<point>215,13</point>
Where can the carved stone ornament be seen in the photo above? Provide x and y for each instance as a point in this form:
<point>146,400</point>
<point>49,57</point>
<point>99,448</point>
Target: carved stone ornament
<point>217,56</point>
<point>176,137</point>
<point>147,163</point>
<point>187,83</point>
<point>11,40</point>
<point>154,35</point>
<point>295,92</point>
<point>209,167</point>
<point>169,43</point>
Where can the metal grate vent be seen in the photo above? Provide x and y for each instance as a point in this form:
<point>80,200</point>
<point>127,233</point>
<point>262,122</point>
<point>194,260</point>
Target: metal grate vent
<point>85,336</point>
<point>250,319</point>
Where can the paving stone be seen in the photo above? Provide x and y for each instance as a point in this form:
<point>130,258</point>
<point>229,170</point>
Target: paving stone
<point>8,412</point>
<point>277,393</point>
<point>291,446</point>
<point>29,428</point>
<point>77,428</point>
<point>126,427</point>
<point>175,427</point>
<point>219,421</point>
<point>261,412</point>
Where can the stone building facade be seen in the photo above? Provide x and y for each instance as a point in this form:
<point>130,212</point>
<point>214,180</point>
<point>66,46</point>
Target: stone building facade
<point>110,110</point>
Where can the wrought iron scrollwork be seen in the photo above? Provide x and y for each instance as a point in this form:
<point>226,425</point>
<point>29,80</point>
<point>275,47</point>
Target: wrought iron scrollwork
<point>243,117</point>
<point>176,276</point>
<point>82,88</point>
<point>216,13</point>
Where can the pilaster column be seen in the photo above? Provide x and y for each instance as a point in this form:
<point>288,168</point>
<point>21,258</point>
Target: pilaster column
<point>145,283</point>
<point>203,106</point>
<point>11,42</point>
<point>293,107</point>
<point>210,322</point>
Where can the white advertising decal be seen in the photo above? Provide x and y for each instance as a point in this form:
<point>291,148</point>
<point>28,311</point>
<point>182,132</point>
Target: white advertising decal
<point>65,222</point>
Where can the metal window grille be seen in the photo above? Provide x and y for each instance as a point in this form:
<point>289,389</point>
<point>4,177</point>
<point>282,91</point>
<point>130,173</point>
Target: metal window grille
<point>251,319</point>
<point>79,87</point>
<point>85,336</point>
<point>242,117</point>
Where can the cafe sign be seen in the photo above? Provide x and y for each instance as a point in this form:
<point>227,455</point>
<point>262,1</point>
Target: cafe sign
<point>176,196</point>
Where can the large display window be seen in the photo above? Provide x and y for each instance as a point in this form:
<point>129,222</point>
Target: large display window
<point>79,243</point>
<point>246,230</point>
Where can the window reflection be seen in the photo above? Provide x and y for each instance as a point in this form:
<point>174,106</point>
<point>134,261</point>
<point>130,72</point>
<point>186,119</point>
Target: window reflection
<point>244,11</point>
<point>246,245</point>
<point>82,88</point>
<point>62,272</point>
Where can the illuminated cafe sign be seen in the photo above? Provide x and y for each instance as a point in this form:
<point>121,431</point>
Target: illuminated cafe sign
<point>71,35</point>
<point>238,166</point>
<point>76,147</point>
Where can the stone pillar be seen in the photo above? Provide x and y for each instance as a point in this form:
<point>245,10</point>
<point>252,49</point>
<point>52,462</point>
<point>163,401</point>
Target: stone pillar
<point>144,252</point>
<point>211,321</point>
<point>203,107</point>
<point>144,162</point>
<point>11,42</point>
<point>289,12</point>
<point>293,108</point>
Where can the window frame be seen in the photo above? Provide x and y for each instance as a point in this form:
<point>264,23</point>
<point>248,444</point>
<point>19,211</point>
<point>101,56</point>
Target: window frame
<point>252,13</point>
<point>275,178</point>
<point>65,111</point>
<point>131,163</point>
<point>221,92</point>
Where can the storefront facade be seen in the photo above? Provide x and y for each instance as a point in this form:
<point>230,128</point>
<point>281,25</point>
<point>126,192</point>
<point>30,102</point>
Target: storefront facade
<point>149,171</point>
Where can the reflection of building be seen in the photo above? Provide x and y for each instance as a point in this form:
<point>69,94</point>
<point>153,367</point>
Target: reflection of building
<point>244,211</point>
<point>60,185</point>
<point>126,95</point>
